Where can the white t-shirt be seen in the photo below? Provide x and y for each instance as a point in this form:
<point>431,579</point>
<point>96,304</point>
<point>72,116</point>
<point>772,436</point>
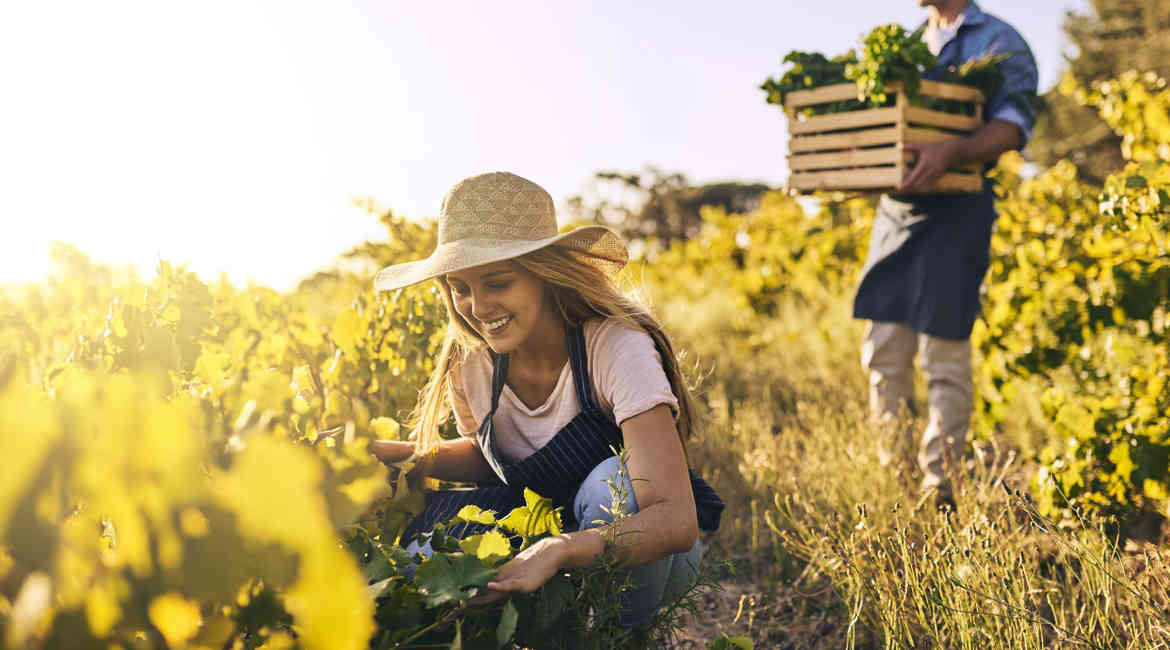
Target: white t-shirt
<point>625,370</point>
<point>937,37</point>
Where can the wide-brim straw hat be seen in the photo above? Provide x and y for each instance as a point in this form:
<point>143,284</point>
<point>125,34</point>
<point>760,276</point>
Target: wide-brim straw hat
<point>498,216</point>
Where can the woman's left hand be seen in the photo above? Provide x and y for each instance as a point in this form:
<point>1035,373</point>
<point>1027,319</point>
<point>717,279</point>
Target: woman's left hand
<point>526,572</point>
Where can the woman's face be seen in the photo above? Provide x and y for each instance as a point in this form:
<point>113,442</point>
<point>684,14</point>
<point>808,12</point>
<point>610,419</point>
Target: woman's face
<point>501,301</point>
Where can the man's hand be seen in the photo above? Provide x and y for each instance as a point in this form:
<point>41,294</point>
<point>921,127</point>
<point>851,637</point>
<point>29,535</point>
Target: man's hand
<point>931,162</point>
<point>982,146</point>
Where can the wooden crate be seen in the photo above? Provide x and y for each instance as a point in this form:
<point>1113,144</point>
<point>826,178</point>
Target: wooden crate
<point>862,150</point>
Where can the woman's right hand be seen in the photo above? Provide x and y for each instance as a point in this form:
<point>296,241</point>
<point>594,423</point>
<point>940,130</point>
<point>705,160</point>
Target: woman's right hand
<point>392,451</point>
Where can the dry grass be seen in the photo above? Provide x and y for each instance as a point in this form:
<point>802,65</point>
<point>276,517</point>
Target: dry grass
<point>833,550</point>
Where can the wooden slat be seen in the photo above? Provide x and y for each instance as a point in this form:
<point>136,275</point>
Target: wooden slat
<point>866,138</point>
<point>919,115</point>
<point>927,136</point>
<point>851,158</point>
<point>952,91</point>
<point>849,120</point>
<point>823,95</point>
<point>877,179</point>
<point>901,144</point>
<point>853,179</point>
<point>846,91</point>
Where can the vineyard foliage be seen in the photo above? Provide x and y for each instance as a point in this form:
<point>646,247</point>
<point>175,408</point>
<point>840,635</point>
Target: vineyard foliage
<point>1078,307</point>
<point>186,463</point>
<point>187,466</point>
<point>166,470</point>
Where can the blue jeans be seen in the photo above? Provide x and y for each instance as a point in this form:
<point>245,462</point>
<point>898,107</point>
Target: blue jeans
<point>651,585</point>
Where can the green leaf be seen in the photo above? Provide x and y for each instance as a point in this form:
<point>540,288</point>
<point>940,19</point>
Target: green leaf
<point>552,600</point>
<point>1077,420</point>
<point>538,517</point>
<point>451,577</point>
<point>378,588</point>
<point>1136,182</point>
<point>491,547</point>
<point>1155,490</point>
<point>732,643</point>
<point>508,619</point>
<point>346,331</point>
<point>473,515</point>
<point>379,567</point>
<point>1119,456</point>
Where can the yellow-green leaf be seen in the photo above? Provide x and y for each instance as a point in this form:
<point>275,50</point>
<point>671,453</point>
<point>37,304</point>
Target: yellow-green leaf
<point>177,618</point>
<point>346,331</point>
<point>491,547</point>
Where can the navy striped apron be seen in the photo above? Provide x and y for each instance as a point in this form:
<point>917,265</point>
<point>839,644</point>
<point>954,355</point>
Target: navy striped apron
<point>556,470</point>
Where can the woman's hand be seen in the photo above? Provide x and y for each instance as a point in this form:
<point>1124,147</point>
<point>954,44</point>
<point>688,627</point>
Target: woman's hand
<point>392,451</point>
<point>526,572</point>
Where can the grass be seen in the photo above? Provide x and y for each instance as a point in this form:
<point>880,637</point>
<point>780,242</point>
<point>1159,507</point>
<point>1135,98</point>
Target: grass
<point>834,550</point>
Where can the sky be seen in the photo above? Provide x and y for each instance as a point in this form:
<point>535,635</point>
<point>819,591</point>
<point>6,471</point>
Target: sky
<point>234,135</point>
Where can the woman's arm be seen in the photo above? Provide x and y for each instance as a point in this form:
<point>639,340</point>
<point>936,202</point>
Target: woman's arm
<point>665,523</point>
<point>451,460</point>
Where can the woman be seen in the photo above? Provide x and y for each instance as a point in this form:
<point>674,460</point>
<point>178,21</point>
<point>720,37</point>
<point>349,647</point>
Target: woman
<point>548,368</point>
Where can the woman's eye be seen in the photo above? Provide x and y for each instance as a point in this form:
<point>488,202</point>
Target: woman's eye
<point>498,286</point>
<point>458,290</point>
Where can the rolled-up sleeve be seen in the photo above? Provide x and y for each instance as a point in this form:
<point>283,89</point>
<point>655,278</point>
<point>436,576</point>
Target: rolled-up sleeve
<point>1016,100</point>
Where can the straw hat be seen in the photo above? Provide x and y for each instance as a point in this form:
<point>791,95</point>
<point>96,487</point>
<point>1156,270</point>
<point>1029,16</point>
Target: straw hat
<point>498,216</point>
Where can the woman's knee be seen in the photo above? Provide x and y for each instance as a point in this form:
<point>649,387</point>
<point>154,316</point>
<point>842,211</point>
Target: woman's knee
<point>606,490</point>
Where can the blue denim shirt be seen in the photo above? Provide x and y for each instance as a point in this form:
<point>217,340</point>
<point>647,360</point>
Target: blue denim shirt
<point>928,254</point>
<point>982,34</point>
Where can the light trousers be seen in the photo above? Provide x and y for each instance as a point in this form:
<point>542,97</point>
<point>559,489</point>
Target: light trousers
<point>887,354</point>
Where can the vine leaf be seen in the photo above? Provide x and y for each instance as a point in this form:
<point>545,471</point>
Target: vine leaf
<point>508,619</point>
<point>474,515</point>
<point>451,577</point>
<point>537,517</point>
<point>490,547</point>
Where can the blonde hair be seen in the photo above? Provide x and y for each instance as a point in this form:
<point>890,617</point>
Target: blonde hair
<point>579,291</point>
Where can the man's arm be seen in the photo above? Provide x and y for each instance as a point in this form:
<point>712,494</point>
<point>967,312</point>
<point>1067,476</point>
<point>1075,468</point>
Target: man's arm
<point>1010,113</point>
<point>985,145</point>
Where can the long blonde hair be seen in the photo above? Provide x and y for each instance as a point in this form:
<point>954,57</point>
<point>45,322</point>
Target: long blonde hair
<point>579,291</point>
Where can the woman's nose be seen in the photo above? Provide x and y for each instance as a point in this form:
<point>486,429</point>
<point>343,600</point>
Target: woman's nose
<point>480,306</point>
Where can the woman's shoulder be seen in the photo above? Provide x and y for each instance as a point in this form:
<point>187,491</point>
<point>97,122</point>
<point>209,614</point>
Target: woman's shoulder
<point>612,327</point>
<point>471,367</point>
<point>611,336</point>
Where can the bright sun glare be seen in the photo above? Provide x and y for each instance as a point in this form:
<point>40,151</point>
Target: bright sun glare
<point>147,131</point>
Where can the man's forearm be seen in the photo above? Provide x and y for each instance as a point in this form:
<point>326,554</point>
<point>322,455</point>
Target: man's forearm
<point>986,144</point>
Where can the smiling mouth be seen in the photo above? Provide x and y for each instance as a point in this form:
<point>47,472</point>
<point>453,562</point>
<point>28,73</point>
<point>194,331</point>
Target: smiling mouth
<point>494,325</point>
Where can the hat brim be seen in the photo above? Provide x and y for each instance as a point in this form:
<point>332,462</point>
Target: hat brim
<point>599,245</point>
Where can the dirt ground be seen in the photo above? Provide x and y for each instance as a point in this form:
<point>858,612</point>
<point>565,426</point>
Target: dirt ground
<point>743,601</point>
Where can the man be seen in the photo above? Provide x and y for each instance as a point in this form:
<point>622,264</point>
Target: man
<point>929,252</point>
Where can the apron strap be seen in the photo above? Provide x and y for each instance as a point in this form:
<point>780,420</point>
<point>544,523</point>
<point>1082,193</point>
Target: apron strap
<point>579,363</point>
<point>486,434</point>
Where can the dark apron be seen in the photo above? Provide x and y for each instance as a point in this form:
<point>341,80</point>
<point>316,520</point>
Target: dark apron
<point>928,254</point>
<point>556,470</point>
<point>927,259</point>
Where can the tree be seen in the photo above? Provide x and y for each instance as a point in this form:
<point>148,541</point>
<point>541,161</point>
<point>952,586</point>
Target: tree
<point>1113,37</point>
<point>656,206</point>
